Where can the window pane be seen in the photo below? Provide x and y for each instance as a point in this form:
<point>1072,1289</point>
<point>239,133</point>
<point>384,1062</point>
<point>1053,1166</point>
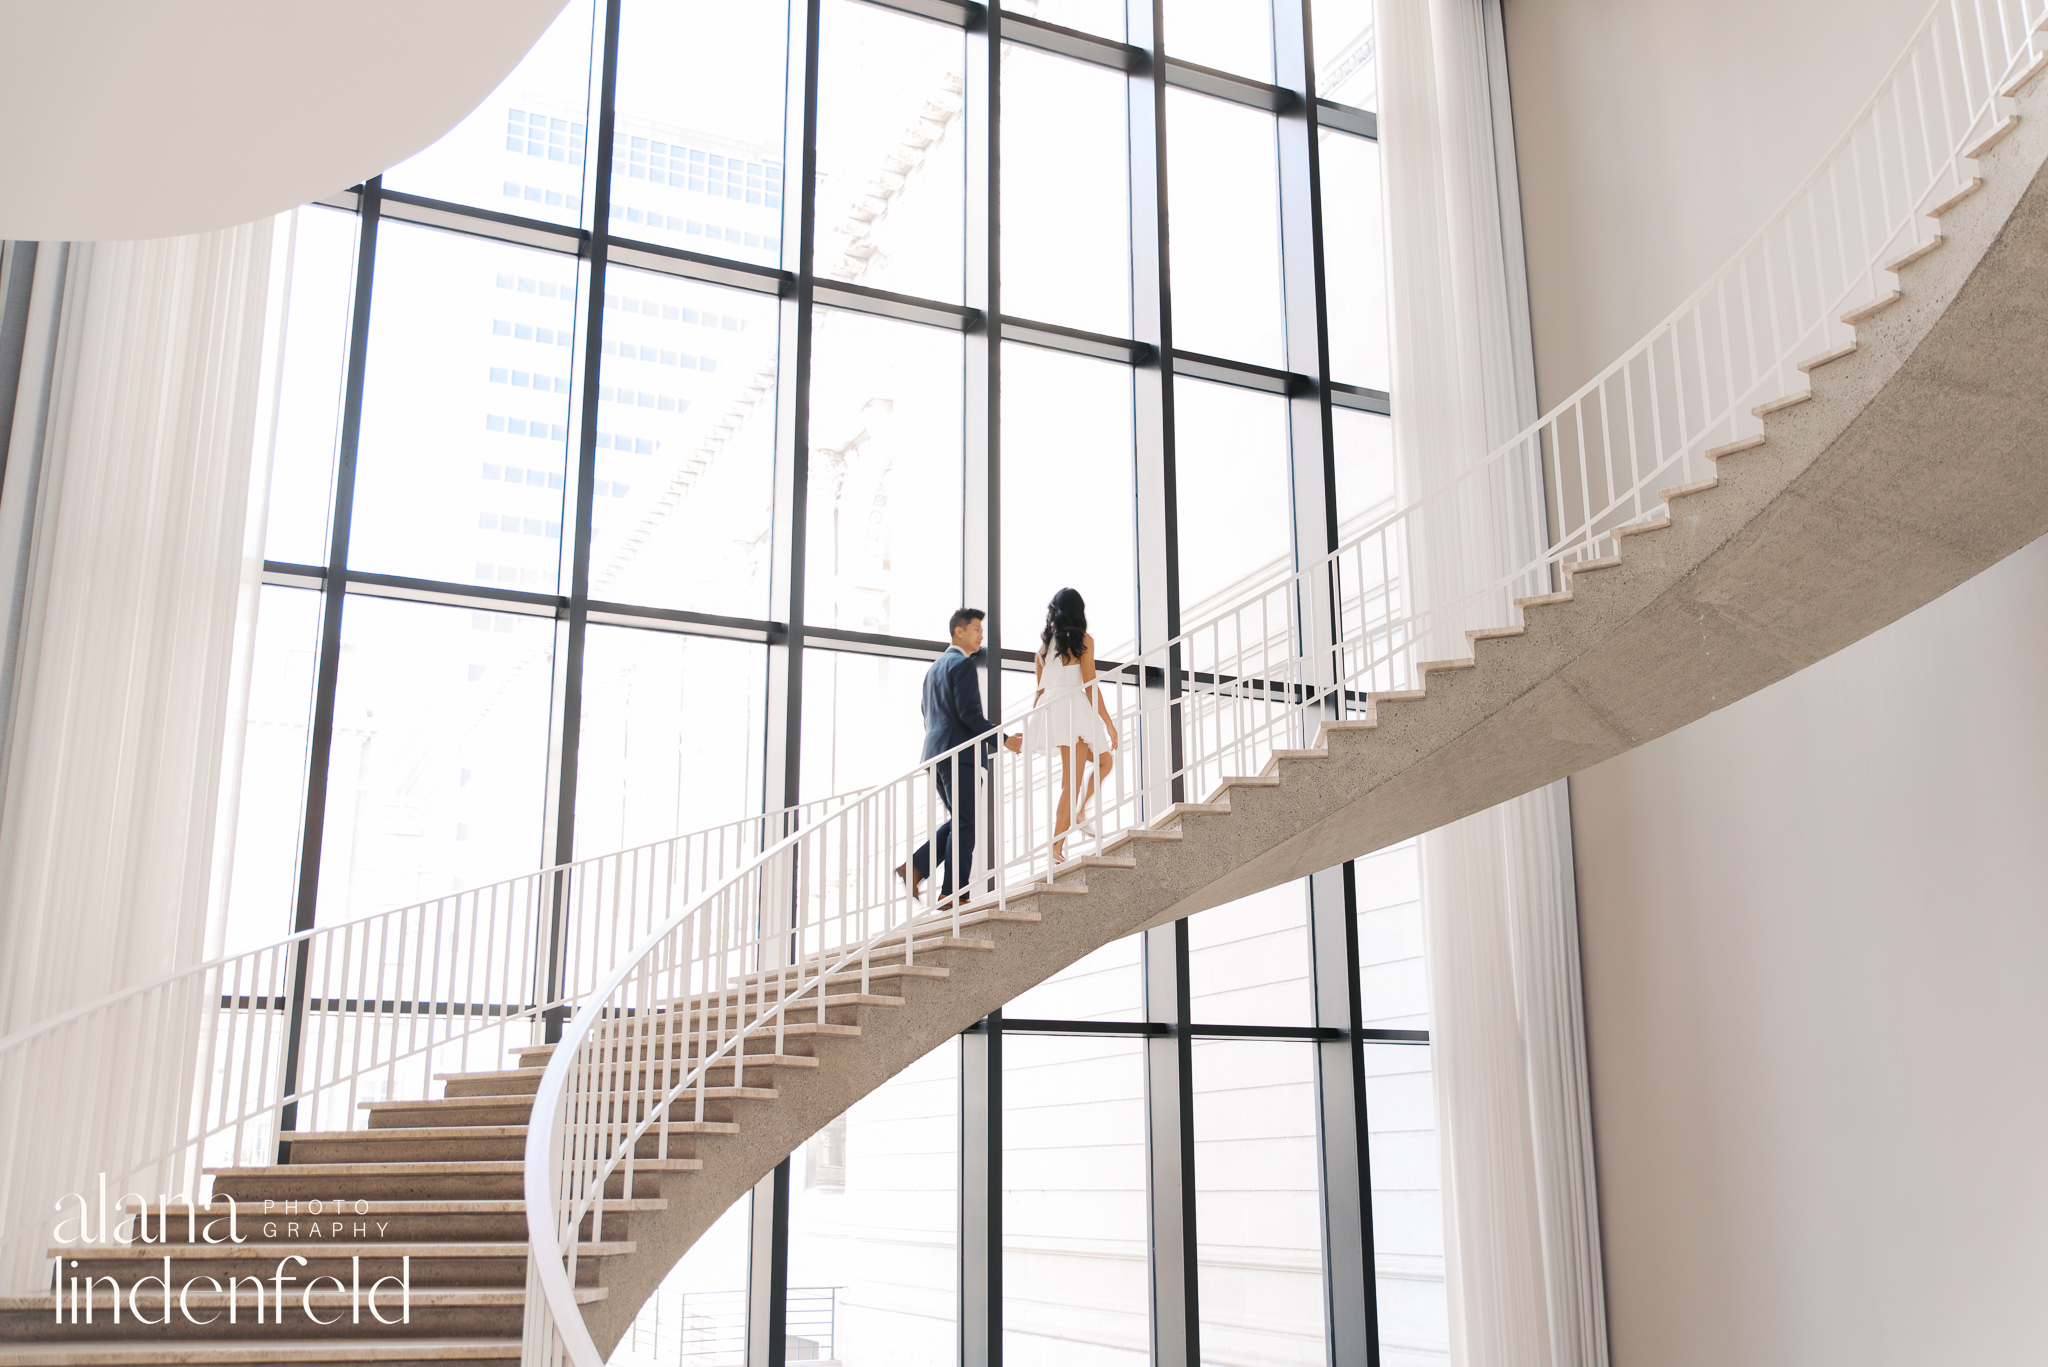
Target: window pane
<point>1235,520</point>
<point>861,720</point>
<point>1075,1276</point>
<point>1346,70</point>
<point>1068,471</point>
<point>1248,960</point>
<point>697,161</point>
<point>1364,451</point>
<point>317,314</point>
<point>1107,985</point>
<point>697,1317</point>
<point>1258,1203</point>
<point>440,754</point>
<point>1064,146</point>
<point>685,481</point>
<point>885,524</point>
<point>466,413</point>
<point>672,736</point>
<point>1225,35</point>
<point>1393,978</point>
<point>1103,17</point>
<point>270,797</point>
<point>1223,170</point>
<point>1355,260</point>
<point>521,150</point>
<point>873,1210</point>
<point>1407,1207</point>
<point>891,179</point>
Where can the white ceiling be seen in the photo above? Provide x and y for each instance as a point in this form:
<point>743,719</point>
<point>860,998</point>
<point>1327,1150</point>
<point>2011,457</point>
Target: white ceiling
<point>151,118</point>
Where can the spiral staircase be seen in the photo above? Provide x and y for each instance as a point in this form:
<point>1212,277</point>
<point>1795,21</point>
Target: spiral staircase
<point>1912,462</point>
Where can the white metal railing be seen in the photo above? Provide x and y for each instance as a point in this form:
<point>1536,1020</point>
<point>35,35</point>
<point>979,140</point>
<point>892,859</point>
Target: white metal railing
<point>820,914</point>
<point>213,1066</point>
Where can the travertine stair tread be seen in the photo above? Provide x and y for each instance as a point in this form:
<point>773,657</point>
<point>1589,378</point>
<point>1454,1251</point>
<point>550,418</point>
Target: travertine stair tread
<point>1813,363</point>
<point>1899,263</point>
<point>1699,486</point>
<point>179,1352</point>
<point>676,1069</point>
<point>479,1167</point>
<point>1779,405</point>
<point>148,1253</point>
<point>1638,528</point>
<point>1969,187</point>
<point>1994,137</point>
<point>516,1100</point>
<point>1736,447</point>
<point>1871,309</point>
<point>484,1206</point>
<point>423,1297</point>
<point>1605,562</point>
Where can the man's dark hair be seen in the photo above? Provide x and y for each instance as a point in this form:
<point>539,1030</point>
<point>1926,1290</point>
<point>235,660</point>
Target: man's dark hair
<point>962,618</point>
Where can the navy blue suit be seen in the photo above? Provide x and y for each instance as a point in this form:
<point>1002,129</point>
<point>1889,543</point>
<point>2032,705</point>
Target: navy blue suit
<point>953,716</point>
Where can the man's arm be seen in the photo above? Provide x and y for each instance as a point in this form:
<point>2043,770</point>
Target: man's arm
<point>966,698</point>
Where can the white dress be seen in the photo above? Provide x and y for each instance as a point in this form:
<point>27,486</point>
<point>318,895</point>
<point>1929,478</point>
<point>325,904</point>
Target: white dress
<point>1066,712</point>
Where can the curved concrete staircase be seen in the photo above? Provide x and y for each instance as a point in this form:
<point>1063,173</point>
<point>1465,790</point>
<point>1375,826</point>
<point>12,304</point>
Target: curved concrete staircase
<point>1919,459</point>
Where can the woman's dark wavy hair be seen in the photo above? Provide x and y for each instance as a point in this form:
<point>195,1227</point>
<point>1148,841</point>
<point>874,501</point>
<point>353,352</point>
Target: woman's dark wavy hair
<point>1066,622</point>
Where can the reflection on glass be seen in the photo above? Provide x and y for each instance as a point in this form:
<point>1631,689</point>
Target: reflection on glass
<point>1364,451</point>
<point>1107,985</point>
<point>697,152</point>
<point>1223,174</point>
<point>466,414</point>
<point>891,174</point>
<point>521,150</point>
<point>1346,69</point>
<point>309,386</point>
<point>1393,977</point>
<point>861,720</point>
<point>1075,1279</point>
<point>1068,467</point>
<point>873,1212</point>
<point>270,794</point>
<point>885,525</point>
<point>1230,460</point>
<point>1102,17</point>
<point>1407,1206</point>
<point>1248,960</point>
<point>440,754</point>
<point>697,1317</point>
<point>1355,260</point>
<point>685,483</point>
<point>1258,1202</point>
<point>672,736</point>
<point>1224,35</point>
<point>1063,146</point>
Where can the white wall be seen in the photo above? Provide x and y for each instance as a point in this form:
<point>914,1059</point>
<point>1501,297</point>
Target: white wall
<point>1815,924</point>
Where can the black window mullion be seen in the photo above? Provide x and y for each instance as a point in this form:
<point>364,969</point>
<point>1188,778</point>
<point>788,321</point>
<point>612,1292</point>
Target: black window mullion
<point>327,661</point>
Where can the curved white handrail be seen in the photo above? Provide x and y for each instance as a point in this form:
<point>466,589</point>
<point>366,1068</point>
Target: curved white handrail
<point>1218,699</point>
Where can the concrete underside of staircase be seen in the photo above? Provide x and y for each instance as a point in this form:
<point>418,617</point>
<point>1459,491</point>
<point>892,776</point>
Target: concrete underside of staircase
<point>1920,460</point>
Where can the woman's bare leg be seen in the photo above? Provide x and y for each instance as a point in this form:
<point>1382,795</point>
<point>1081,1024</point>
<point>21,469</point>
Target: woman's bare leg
<point>1062,818</point>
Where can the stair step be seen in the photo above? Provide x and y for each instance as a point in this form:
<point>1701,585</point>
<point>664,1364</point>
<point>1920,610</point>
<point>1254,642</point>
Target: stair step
<point>1736,447</point>
<point>1648,524</point>
<point>230,1353</point>
<point>482,1167</point>
<point>524,1081</point>
<point>1871,309</point>
<point>1181,809</point>
<point>1813,363</point>
<point>1899,263</point>
<point>1678,491</point>
<point>1779,405</point>
<point>1994,137</point>
<point>468,1105</point>
<point>1970,187</point>
<point>1544,600</point>
<point>1576,567</point>
<point>1429,667</point>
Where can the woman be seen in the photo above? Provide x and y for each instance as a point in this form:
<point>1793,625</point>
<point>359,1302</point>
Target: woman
<point>1069,714</point>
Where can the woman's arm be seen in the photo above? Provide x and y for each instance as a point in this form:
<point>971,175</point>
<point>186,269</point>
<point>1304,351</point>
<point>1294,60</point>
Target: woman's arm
<point>1088,680</point>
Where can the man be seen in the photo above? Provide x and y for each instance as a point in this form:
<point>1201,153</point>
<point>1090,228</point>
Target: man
<point>952,717</point>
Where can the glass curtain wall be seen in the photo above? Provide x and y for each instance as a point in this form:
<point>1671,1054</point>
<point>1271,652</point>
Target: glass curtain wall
<point>643,432</point>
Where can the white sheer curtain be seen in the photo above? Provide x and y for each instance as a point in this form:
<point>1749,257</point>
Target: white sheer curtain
<point>128,559</point>
<point>1521,1231</point>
